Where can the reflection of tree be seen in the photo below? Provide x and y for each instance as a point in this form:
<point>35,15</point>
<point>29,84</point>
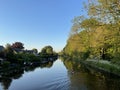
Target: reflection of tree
<point>110,83</point>
<point>6,77</point>
<point>16,73</point>
<point>47,65</point>
<point>83,78</point>
<point>74,66</point>
<point>30,68</point>
<point>5,82</point>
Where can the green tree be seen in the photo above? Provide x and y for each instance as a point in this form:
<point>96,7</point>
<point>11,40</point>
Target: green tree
<point>9,52</point>
<point>105,10</point>
<point>47,50</point>
<point>108,11</point>
<point>8,49</point>
<point>35,50</point>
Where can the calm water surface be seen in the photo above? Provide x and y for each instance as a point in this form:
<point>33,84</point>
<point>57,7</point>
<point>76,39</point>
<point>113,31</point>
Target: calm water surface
<point>58,75</point>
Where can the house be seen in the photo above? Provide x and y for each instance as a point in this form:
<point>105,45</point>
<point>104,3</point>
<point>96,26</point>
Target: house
<point>1,48</point>
<point>31,52</point>
<point>2,54</point>
<point>28,51</point>
<point>16,50</point>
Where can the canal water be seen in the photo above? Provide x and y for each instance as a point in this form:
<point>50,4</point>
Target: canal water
<point>57,75</point>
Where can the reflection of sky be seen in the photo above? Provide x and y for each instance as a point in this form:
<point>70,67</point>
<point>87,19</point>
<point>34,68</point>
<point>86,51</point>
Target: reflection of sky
<point>50,78</point>
<point>0,87</point>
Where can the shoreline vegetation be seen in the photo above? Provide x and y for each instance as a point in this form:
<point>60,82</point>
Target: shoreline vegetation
<point>105,68</point>
<point>95,39</point>
<point>100,66</point>
<point>14,56</point>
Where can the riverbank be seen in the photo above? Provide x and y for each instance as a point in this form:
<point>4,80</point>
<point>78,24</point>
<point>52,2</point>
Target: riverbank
<point>102,66</point>
<point>6,66</point>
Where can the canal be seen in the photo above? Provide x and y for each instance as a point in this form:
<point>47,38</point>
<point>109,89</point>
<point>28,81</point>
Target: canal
<point>57,75</point>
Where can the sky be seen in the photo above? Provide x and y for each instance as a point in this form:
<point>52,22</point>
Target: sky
<point>38,23</point>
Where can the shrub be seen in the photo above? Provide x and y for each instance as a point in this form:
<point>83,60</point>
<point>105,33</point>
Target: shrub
<point>5,64</point>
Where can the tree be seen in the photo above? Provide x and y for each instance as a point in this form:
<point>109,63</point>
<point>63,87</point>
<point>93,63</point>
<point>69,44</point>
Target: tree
<point>47,50</point>
<point>9,52</point>
<point>35,50</point>
<point>97,35</point>
<point>108,11</point>
<point>17,45</point>
<point>43,50</point>
<point>8,49</point>
<point>93,39</point>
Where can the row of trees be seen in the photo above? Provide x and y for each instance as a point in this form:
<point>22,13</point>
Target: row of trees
<point>15,53</point>
<point>97,35</point>
<point>20,46</point>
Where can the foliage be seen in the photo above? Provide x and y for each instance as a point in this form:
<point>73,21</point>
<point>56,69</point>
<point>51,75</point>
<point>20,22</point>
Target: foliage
<point>106,67</point>
<point>35,50</point>
<point>17,45</point>
<point>8,48</point>
<point>47,50</point>
<point>116,59</point>
<point>98,35</point>
<point>15,56</point>
<point>5,64</point>
<point>9,52</point>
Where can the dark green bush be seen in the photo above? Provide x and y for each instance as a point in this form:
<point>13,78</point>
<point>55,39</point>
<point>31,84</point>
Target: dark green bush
<point>5,64</point>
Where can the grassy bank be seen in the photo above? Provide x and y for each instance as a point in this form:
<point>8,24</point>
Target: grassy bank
<point>102,66</point>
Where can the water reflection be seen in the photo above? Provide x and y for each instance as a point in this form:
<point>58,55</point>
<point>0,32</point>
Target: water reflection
<point>6,77</point>
<point>62,75</point>
<point>82,78</point>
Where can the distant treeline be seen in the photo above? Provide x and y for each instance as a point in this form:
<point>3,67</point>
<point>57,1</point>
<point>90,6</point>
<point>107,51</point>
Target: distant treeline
<point>15,54</point>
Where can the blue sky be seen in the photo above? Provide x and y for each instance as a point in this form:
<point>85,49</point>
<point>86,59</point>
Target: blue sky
<point>38,23</point>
